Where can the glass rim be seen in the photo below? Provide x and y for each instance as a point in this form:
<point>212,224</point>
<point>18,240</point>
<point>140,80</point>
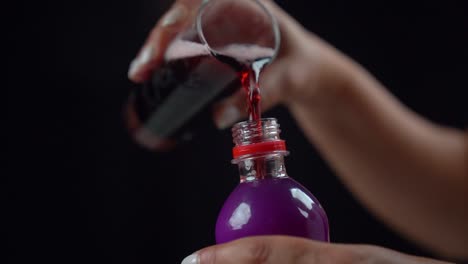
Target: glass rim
<point>274,22</point>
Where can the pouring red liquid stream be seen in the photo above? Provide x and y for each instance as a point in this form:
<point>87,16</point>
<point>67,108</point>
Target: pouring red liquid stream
<point>249,72</point>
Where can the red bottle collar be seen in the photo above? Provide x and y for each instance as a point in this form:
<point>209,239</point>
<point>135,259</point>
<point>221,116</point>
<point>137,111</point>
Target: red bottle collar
<point>257,148</point>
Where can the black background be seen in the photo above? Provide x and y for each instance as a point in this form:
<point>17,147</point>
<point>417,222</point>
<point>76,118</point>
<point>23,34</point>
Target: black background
<point>79,189</point>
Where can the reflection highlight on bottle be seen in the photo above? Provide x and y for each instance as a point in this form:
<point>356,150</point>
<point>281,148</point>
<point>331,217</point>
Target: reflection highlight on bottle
<point>299,195</point>
<point>240,216</point>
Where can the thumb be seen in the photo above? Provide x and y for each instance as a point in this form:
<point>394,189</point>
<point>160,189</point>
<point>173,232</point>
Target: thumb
<point>230,110</point>
<point>253,250</point>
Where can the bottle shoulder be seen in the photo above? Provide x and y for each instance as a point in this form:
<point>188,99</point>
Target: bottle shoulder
<point>273,189</point>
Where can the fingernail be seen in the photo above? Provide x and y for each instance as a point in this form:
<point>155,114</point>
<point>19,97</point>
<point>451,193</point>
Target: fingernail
<point>175,15</point>
<point>228,116</point>
<point>143,58</point>
<point>192,259</point>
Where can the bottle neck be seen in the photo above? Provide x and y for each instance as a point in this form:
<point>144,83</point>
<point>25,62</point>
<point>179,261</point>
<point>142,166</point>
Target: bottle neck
<point>259,151</point>
<point>262,167</point>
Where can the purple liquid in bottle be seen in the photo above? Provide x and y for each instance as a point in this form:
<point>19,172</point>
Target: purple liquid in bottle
<point>271,207</point>
<point>267,201</point>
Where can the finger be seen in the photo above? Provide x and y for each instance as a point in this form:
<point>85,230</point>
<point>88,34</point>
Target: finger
<point>230,110</point>
<point>151,54</point>
<point>253,250</point>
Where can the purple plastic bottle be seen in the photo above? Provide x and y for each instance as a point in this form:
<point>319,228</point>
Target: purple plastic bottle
<point>267,201</point>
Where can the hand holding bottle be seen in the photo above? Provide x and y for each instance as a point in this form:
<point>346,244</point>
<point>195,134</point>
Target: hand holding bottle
<point>291,250</point>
